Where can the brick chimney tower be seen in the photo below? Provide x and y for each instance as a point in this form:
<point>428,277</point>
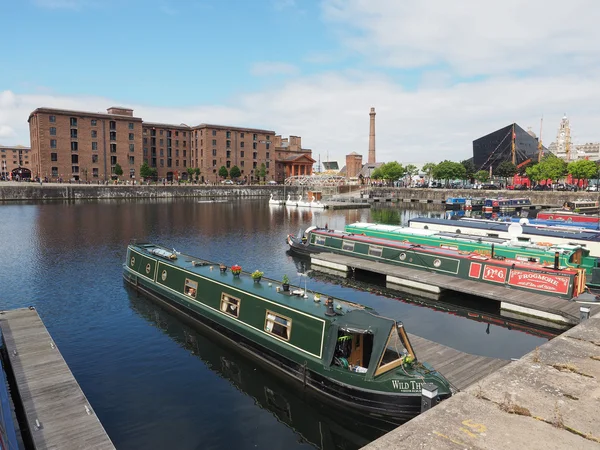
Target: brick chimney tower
<point>372,137</point>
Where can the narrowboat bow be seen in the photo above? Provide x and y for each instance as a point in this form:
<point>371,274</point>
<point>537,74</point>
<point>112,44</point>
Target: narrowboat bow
<point>343,351</point>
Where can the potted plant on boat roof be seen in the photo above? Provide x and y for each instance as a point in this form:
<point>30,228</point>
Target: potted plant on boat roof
<point>257,275</point>
<point>222,268</point>
<point>285,283</point>
<point>236,270</point>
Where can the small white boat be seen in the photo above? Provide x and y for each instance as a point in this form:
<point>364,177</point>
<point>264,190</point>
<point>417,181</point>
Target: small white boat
<point>302,203</point>
<point>273,201</point>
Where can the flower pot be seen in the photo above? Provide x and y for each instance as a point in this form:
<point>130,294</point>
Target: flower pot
<point>286,287</point>
<point>236,275</point>
<point>257,280</point>
<point>223,269</point>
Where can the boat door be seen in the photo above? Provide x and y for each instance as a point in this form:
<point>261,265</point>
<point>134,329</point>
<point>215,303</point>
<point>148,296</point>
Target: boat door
<point>356,352</point>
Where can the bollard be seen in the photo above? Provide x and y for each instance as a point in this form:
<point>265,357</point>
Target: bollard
<point>584,313</point>
<point>429,396</point>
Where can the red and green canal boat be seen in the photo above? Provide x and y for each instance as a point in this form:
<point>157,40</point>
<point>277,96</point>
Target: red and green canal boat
<point>345,352</point>
<point>550,279</point>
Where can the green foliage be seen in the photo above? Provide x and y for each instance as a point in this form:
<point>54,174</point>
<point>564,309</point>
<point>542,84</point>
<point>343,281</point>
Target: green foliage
<point>506,169</point>
<point>197,172</point>
<point>534,173</point>
<point>428,168</point>
<point>190,171</point>
<point>262,172</point>
<point>118,170</point>
<point>411,170</point>
<point>582,169</point>
<point>257,274</point>
<point>285,279</point>
<point>449,170</point>
<point>482,176</point>
<point>145,170</point>
<point>223,173</point>
<point>389,171</point>
<point>235,172</point>
<point>469,169</point>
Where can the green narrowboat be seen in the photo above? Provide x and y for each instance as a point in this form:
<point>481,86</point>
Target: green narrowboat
<point>345,352</point>
<point>552,280</point>
<point>569,255</point>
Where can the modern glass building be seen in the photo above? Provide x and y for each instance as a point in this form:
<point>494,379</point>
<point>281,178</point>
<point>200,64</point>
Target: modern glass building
<point>496,147</point>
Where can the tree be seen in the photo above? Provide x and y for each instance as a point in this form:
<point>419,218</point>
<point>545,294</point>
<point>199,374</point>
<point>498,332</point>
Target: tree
<point>410,171</point>
<point>506,170</point>
<point>223,173</point>
<point>482,176</point>
<point>197,172</point>
<point>534,173</point>
<point>553,168</point>
<point>190,171</point>
<point>428,169</point>
<point>389,171</point>
<point>582,169</point>
<point>469,169</point>
<point>262,172</point>
<point>145,170</point>
<point>235,172</point>
<point>118,170</point>
<point>449,170</point>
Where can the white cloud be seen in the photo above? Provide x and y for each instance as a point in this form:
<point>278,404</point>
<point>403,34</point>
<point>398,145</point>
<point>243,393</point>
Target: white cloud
<point>7,132</point>
<point>331,113</point>
<point>471,36</point>
<point>270,68</point>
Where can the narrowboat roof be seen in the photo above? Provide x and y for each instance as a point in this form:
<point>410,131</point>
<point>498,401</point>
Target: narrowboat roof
<point>246,284</point>
<point>369,240</point>
<point>538,230</point>
<point>464,237</point>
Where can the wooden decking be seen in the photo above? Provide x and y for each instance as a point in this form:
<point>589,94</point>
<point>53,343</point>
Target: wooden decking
<point>56,410</point>
<point>528,303</point>
<point>461,369</point>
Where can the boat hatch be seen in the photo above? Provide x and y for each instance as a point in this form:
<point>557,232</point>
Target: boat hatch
<point>577,256</point>
<point>353,350</point>
<point>396,348</point>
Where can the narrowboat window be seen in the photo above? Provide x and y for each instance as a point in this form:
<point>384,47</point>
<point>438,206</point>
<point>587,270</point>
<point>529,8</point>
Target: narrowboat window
<point>375,251</point>
<point>320,240</point>
<point>230,305</point>
<point>494,235</point>
<point>191,288</point>
<point>393,353</point>
<point>523,239</point>
<point>277,325</point>
<point>348,246</point>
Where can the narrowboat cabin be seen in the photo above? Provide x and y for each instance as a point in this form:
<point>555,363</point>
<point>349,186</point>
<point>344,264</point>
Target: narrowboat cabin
<point>342,351</point>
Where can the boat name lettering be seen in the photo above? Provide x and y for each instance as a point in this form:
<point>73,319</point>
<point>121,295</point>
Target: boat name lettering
<point>407,385</point>
<point>539,281</point>
<point>496,274</point>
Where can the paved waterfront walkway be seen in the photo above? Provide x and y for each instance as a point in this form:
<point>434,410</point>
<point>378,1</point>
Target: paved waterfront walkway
<point>549,399</point>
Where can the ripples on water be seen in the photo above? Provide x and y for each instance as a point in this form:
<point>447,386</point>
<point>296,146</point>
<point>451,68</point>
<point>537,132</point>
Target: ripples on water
<point>157,382</point>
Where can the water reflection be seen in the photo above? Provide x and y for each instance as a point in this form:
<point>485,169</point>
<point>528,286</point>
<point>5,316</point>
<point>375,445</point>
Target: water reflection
<point>317,424</point>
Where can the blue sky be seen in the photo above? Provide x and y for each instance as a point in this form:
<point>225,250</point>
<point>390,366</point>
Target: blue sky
<point>440,74</point>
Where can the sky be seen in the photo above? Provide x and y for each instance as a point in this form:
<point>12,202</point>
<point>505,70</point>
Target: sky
<point>439,73</point>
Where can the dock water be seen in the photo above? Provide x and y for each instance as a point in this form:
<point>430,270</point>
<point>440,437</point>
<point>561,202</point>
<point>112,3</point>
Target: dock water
<point>57,413</point>
<point>527,304</point>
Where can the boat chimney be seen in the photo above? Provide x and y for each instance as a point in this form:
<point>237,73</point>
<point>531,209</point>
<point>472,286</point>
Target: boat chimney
<point>492,251</point>
<point>329,306</point>
<point>556,260</point>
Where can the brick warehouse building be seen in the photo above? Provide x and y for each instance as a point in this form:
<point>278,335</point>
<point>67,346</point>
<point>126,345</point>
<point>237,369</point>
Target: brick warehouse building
<point>86,146</point>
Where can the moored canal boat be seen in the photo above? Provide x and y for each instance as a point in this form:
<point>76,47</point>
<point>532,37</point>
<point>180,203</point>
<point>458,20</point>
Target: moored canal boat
<point>528,250</point>
<point>589,239</point>
<point>343,351</point>
<point>552,280</point>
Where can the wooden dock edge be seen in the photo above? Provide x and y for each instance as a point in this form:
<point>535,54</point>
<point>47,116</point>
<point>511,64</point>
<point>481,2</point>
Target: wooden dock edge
<point>56,412</point>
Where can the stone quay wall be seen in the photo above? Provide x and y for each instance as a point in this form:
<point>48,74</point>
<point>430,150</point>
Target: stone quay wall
<point>437,195</point>
<point>35,192</point>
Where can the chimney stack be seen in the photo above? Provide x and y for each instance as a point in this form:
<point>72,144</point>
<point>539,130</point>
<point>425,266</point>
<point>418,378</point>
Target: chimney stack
<point>372,137</point>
